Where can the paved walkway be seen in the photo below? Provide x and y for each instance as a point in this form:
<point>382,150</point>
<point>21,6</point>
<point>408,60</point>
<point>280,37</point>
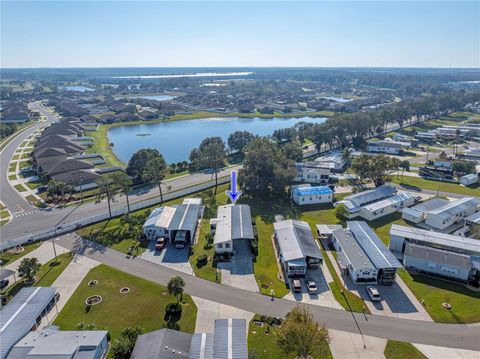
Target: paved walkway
<point>345,345</point>
<point>208,311</point>
<point>68,282</point>
<point>434,352</point>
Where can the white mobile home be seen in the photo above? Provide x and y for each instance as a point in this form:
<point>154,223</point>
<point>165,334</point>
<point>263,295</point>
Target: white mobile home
<point>232,226</point>
<point>355,202</point>
<point>469,179</point>
<point>389,147</point>
<point>311,172</point>
<point>387,206</point>
<point>306,194</point>
<point>297,249</point>
<point>452,213</point>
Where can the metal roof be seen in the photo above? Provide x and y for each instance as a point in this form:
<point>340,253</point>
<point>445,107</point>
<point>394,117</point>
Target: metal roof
<point>474,217</point>
<point>51,342</point>
<point>164,343</point>
<point>230,339</point>
<point>374,248</point>
<point>295,240</point>
<point>390,201</point>
<point>309,191</point>
<point>327,228</point>
<point>455,207</point>
<point>437,239</point>
<point>201,346</point>
<point>233,222</point>
<point>20,314</point>
<point>359,199</point>
<point>430,205</point>
<point>351,250</point>
<point>185,217</point>
<point>438,256</point>
<point>5,273</point>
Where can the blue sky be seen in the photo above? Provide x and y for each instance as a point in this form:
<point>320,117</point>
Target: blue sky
<point>164,34</point>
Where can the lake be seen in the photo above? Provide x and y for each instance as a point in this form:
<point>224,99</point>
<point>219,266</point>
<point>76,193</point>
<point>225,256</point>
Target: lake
<point>176,139</point>
<point>155,97</point>
<point>78,88</point>
<point>337,99</point>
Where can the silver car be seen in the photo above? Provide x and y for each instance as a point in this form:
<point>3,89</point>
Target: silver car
<point>373,294</point>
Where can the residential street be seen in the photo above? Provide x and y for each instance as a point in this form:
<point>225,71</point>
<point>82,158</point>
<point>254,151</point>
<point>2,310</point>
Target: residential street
<point>456,336</point>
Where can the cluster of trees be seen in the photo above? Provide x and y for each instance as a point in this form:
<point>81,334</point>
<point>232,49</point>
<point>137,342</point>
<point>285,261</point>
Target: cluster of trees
<point>7,129</point>
<point>122,347</point>
<point>28,268</point>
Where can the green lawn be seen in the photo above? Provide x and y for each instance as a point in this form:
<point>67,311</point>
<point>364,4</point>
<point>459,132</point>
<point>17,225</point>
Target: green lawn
<point>20,187</point>
<point>4,214</point>
<point>12,167</point>
<point>144,305</point>
<point>262,341</point>
<point>35,184</point>
<point>24,164</point>
<point>402,350</point>
<point>417,183</point>
<point>102,146</point>
<point>207,271</point>
<point>436,291</point>
<point>46,275</point>
<point>12,177</point>
<point>9,257</point>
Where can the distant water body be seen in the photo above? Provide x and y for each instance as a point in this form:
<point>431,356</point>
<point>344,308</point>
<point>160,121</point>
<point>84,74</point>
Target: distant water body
<point>176,139</point>
<point>199,74</point>
<point>155,97</point>
<point>78,88</point>
<point>338,99</point>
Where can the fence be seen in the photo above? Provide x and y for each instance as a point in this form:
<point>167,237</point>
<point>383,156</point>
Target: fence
<point>69,227</point>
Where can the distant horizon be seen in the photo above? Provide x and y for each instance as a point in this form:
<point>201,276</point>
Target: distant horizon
<point>240,67</point>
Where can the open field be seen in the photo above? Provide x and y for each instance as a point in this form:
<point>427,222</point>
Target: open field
<point>402,350</point>
<point>261,341</point>
<point>144,305</point>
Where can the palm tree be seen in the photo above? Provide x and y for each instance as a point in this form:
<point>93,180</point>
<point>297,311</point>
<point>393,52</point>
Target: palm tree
<point>346,156</point>
<point>155,172</point>
<point>123,182</point>
<point>175,287</point>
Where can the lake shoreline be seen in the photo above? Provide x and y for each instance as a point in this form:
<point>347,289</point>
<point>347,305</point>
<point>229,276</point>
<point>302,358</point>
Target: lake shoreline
<point>101,134</point>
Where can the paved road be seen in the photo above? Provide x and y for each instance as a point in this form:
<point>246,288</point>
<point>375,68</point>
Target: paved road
<point>455,336</point>
<point>10,196</point>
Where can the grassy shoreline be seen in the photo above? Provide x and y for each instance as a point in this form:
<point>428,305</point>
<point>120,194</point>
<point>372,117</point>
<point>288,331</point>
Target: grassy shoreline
<point>101,134</point>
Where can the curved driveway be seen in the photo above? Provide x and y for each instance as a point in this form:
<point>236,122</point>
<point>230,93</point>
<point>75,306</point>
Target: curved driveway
<point>412,331</point>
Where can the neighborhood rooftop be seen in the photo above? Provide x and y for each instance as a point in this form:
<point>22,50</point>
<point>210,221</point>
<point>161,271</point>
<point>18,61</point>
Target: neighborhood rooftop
<point>357,200</point>
<point>20,315</point>
<point>441,239</point>
<point>311,191</point>
<point>390,201</point>
<point>351,250</point>
<point>455,207</point>
<point>378,253</point>
<point>234,222</point>
<point>296,240</point>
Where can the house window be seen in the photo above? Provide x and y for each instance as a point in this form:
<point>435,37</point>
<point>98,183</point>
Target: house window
<point>220,245</point>
<point>227,245</point>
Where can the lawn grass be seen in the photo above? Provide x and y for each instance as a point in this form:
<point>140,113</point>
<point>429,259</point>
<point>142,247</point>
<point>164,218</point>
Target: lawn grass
<point>9,257</point>
<point>4,214</point>
<point>35,184</point>
<point>102,146</point>
<point>12,167</point>
<point>262,342</point>
<point>12,177</point>
<point>207,271</point>
<point>20,187</point>
<point>144,305</point>
<point>15,157</point>
<point>24,164</point>
<point>46,275</point>
<point>417,184</point>
<point>402,350</point>
<point>435,291</point>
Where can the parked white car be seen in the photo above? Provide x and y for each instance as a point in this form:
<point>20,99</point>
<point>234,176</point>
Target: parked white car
<point>373,294</point>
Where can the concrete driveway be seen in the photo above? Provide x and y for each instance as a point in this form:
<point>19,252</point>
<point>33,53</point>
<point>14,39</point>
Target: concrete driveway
<point>170,257</point>
<point>324,297</point>
<point>239,271</point>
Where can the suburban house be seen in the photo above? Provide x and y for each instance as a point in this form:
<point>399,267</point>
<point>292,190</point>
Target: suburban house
<point>469,179</point>
<point>53,343</point>
<point>387,206</point>
<point>425,136</point>
<point>361,253</point>
<point>333,160</point>
<point>297,249</point>
<point>311,172</point>
<point>442,215</point>
<point>14,112</point>
<point>177,222</point>
<point>232,227</point>
<point>389,147</point>
<point>228,341</point>
<point>355,202</point>
<point>22,314</point>
<point>436,253</point>
<point>306,194</point>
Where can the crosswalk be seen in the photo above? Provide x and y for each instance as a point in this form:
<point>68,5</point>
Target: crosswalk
<point>24,213</point>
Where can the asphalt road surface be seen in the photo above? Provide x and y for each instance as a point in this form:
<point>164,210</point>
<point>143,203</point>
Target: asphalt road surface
<point>412,331</point>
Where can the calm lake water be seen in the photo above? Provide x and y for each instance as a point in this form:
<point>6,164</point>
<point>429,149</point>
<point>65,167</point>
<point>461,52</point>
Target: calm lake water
<point>338,99</point>
<point>78,88</point>
<point>176,139</point>
<point>155,97</point>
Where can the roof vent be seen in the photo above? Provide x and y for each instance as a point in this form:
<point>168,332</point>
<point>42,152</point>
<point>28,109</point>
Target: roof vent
<point>166,347</point>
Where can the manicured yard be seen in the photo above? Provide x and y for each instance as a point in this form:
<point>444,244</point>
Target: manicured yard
<point>24,164</point>
<point>417,183</point>
<point>12,167</point>
<point>262,341</point>
<point>207,271</point>
<point>46,275</point>
<point>4,214</point>
<point>101,145</point>
<point>437,291</point>
<point>9,257</point>
<point>12,177</point>
<point>20,187</point>
<point>402,350</point>
<point>144,305</point>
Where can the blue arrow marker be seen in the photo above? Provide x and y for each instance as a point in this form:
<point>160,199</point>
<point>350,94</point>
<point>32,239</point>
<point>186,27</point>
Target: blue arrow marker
<point>233,194</point>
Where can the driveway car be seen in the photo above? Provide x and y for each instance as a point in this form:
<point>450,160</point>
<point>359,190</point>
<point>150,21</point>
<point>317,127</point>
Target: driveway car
<point>160,244</point>
<point>373,294</point>
<point>311,286</point>
<point>296,285</point>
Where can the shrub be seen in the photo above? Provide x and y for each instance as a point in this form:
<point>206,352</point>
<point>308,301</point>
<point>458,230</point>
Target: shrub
<point>202,259</point>
<point>263,318</point>
<point>269,320</point>
<point>209,238</point>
